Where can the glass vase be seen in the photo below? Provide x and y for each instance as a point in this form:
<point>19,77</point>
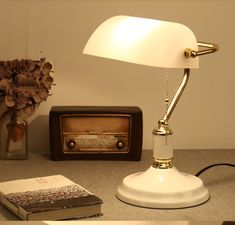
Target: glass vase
<point>13,140</point>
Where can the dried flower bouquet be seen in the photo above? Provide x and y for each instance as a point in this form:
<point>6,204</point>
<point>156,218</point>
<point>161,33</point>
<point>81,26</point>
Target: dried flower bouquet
<point>24,84</point>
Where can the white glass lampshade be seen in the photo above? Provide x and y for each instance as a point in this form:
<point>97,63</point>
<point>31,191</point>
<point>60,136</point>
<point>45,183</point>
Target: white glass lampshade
<point>143,41</point>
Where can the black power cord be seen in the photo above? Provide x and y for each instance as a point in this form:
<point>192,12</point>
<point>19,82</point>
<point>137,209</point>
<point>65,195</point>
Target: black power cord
<point>213,165</point>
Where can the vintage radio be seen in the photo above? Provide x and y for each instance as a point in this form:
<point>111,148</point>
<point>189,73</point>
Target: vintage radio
<point>95,132</point>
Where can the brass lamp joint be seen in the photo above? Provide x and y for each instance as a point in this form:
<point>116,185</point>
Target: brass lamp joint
<point>163,128</point>
<point>162,163</point>
<point>207,48</point>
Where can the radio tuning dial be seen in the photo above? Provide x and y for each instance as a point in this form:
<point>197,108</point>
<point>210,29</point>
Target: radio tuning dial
<point>71,144</point>
<point>120,144</point>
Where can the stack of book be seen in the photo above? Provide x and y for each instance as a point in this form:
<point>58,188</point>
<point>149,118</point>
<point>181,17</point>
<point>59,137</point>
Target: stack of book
<point>49,198</point>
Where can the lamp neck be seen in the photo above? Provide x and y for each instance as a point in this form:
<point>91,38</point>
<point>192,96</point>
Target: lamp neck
<point>162,148</point>
<point>177,95</point>
<point>163,127</point>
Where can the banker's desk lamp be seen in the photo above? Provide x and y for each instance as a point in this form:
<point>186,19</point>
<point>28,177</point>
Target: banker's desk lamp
<point>159,44</point>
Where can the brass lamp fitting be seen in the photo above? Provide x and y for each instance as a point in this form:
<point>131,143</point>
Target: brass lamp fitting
<point>162,164</point>
<point>163,128</point>
<point>208,48</point>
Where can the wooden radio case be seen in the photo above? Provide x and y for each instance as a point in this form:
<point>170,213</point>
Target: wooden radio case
<point>95,132</point>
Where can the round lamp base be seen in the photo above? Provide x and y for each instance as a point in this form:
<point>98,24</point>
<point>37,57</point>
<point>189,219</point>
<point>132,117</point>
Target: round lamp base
<point>162,188</point>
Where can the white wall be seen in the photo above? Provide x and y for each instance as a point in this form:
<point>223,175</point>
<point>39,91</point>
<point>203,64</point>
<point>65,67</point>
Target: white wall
<point>58,30</point>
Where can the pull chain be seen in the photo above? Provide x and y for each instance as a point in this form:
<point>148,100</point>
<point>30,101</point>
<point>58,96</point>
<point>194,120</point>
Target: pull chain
<point>167,96</point>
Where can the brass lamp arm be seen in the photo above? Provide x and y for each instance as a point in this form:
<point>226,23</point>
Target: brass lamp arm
<point>210,48</point>
<point>177,95</point>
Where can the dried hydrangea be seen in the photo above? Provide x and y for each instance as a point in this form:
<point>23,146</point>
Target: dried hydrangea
<point>24,84</point>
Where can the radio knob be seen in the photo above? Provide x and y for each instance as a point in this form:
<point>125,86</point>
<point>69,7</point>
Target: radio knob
<point>71,144</point>
<point>120,144</point>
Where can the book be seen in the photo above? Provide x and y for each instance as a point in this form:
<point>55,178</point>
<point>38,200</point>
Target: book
<point>49,198</point>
